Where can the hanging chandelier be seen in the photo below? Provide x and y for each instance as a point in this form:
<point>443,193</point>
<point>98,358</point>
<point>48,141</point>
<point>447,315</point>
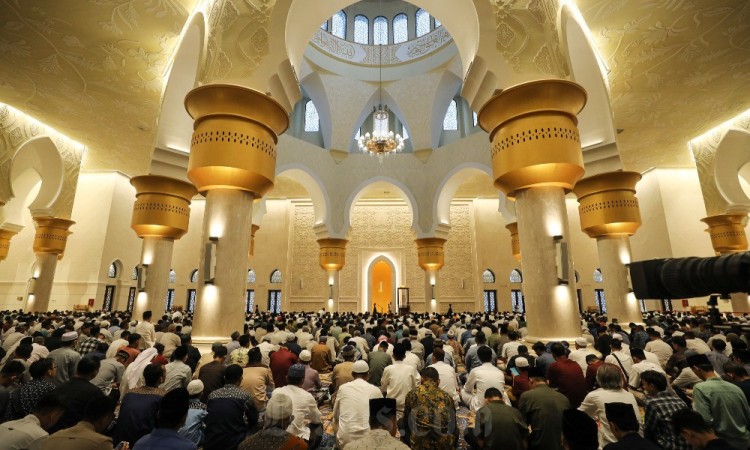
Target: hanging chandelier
<point>382,141</point>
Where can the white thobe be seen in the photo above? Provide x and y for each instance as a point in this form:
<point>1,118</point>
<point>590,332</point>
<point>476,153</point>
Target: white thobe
<point>305,410</point>
<point>398,379</point>
<point>579,356</point>
<point>480,379</point>
<point>638,368</point>
<point>351,411</point>
<point>447,379</point>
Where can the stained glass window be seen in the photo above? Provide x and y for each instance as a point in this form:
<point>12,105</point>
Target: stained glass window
<point>380,31</point>
<point>488,276</point>
<point>172,276</point>
<point>400,28</point>
<point>251,276</point>
<point>643,305</point>
<point>134,273</point>
<point>112,272</point>
<point>361,29</point>
<point>423,22</point>
<point>312,120</point>
<point>191,301</point>
<point>450,122</point>
<point>515,276</point>
<point>437,23</point>
<point>490,303</point>
<point>338,25</point>
<point>324,27</point>
<point>109,293</point>
<point>249,301</point>
<point>194,276</point>
<point>170,299</point>
<point>601,302</point>
<point>598,278</point>
<point>276,276</point>
<point>131,299</point>
<point>517,303</point>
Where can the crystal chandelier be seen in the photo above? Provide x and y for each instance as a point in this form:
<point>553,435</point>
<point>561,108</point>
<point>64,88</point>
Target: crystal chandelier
<point>383,141</point>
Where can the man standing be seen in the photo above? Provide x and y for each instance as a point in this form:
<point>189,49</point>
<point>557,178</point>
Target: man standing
<point>430,415</point>
<point>379,360</point>
<point>351,414</point>
<point>399,378</point>
<point>497,426</point>
<point>566,376</point>
<point>542,408</point>
<point>146,329</point>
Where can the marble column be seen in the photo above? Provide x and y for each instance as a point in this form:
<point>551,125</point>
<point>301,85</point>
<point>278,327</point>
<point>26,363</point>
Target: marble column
<point>332,260</point>
<point>49,245</point>
<point>431,258</point>
<point>161,214</point>
<point>232,162</point>
<point>537,159</point>
<point>610,214</point>
<point>727,233</point>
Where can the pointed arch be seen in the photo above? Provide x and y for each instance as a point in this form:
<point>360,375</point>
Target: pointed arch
<point>488,276</point>
<point>404,192</point>
<point>516,276</point>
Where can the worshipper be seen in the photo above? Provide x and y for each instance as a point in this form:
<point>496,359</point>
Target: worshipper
<point>159,358</point>
<point>660,405</point>
<point>640,365</point>
<point>231,413</point>
<point>541,408</point>
<point>738,375</point>
<point>566,376</point>
<point>88,434</point>
<point>472,361</point>
<point>447,351</point>
<point>579,354</point>
<point>603,341</point>
<point>624,425</point>
<point>312,378</point>
<point>274,435</point>
<point>722,404</point>
<point>351,415</point>
<point>621,358</point>
<point>430,415</point>
<point>480,379</point>
<point>74,393</point>
<point>322,357</point>
<point>140,406</point>
<point>698,433</point>
<point>280,361</point>
<point>458,351</point>
<point>696,344</point>
<point>177,372</point>
<point>12,337</point>
<point>266,347</point>
<point>361,344</point>
<point>170,340</point>
<point>24,399</point>
<point>342,373</point>
<point>609,379</point>
<point>30,431</point>
<point>133,375</point>
<point>543,358</point>
<point>717,356</point>
<point>378,361</point>
<point>521,382</point>
<point>510,348</point>
<point>411,358</point>
<point>88,341</point>
<point>579,431</point>
<point>134,340</point>
<point>212,374</point>
<point>10,375</point>
<point>65,358</point>
<point>656,345</point>
<point>306,421</point>
<point>428,343</point>
<point>382,432</point>
<point>173,410</point>
<point>447,374</point>
<point>416,347</point>
<point>239,355</point>
<point>194,355</point>
<point>110,373</point>
<point>194,426</point>
<point>234,342</point>
<point>399,378</point>
<point>678,361</point>
<point>497,425</point>
<point>257,379</point>
<point>147,331</point>
<point>304,336</point>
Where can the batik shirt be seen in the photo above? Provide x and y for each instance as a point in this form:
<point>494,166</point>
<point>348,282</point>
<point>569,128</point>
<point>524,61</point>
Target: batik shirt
<point>431,418</point>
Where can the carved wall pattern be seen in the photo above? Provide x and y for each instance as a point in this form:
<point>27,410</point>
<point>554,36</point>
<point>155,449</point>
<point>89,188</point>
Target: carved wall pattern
<point>459,259</point>
<point>16,128</point>
<point>305,252</point>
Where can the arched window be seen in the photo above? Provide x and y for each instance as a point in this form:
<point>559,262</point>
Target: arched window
<point>338,25</point>
<point>134,273</point>
<point>488,276</point>
<point>423,22</point>
<point>312,120</point>
<point>276,276</point>
<point>251,276</point>
<point>112,272</point>
<point>450,122</point>
<point>361,29</point>
<point>172,276</point>
<point>324,27</point>
<point>515,276</point>
<point>380,31</point>
<point>194,276</point>
<point>598,278</point>
<point>437,23</point>
<point>400,28</point>
<point>475,118</point>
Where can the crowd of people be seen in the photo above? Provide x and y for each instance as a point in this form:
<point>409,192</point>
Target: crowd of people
<point>103,379</point>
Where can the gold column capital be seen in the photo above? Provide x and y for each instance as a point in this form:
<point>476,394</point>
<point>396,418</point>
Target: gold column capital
<point>5,237</point>
<point>727,232</point>
<point>607,204</point>
<point>515,242</point>
<point>162,206</point>
<point>51,235</point>
<point>332,253</point>
<point>234,139</point>
<point>533,129</point>
<point>430,253</point>
<point>253,229</point>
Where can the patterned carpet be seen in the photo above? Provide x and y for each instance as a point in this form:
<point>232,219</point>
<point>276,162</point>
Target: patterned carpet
<point>464,416</point>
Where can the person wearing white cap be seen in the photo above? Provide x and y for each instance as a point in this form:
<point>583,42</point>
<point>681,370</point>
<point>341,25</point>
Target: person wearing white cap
<point>351,411</point>
<point>65,357</point>
<point>312,378</point>
<point>193,427</point>
<point>279,415</point>
<point>579,354</point>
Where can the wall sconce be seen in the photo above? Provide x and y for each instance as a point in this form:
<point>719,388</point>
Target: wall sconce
<point>463,283</point>
<point>330,292</point>
<point>32,286</point>
<point>629,280</point>
<point>301,284</point>
<point>433,292</point>
<point>561,260</point>
<point>141,279</point>
<point>209,261</point>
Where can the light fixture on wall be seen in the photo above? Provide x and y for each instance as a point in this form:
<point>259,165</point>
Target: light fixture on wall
<point>561,260</point>
<point>209,261</point>
<point>433,291</point>
<point>330,292</point>
<point>141,278</point>
<point>301,284</point>
<point>32,286</point>
<point>629,280</point>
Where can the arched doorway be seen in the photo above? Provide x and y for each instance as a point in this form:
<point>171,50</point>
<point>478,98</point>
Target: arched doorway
<point>381,282</point>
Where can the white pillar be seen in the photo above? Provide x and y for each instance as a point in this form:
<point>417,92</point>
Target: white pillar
<point>614,254</point>
<point>156,254</point>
